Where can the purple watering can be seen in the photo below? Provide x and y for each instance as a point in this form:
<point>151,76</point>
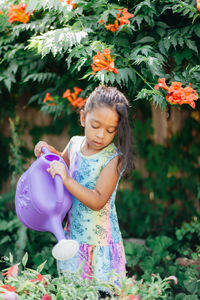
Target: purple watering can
<point>42,202</point>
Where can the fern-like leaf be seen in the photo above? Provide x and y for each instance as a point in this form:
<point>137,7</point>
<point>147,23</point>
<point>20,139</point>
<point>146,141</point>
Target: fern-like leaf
<point>41,77</point>
<point>185,9</point>
<point>152,95</point>
<point>56,41</point>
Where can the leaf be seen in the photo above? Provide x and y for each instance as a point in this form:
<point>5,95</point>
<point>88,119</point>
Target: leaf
<point>191,285</point>
<point>138,19</point>
<point>146,39</point>
<point>40,267</point>
<point>7,83</point>
<point>124,75</point>
<point>111,77</point>
<point>162,47</point>
<point>192,45</point>
<point>180,296</point>
<point>11,258</point>
<point>194,69</point>
<point>41,77</point>
<point>25,259</point>
<point>33,5</point>
<point>181,55</point>
<point>194,256</point>
<point>197,31</point>
<point>4,240</point>
<point>21,242</point>
<point>56,41</point>
<point>167,43</point>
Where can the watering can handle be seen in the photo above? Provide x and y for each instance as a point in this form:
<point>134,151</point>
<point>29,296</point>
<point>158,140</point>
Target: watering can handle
<point>45,150</point>
<point>58,182</point>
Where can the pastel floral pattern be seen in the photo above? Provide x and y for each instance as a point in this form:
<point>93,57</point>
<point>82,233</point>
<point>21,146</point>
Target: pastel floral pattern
<point>97,231</point>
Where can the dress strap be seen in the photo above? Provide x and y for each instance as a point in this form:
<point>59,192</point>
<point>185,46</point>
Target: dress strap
<point>110,158</point>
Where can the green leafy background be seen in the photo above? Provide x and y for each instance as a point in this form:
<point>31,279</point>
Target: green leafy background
<point>53,52</point>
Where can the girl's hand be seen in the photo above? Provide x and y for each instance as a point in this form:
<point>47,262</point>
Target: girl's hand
<point>38,148</point>
<point>56,167</point>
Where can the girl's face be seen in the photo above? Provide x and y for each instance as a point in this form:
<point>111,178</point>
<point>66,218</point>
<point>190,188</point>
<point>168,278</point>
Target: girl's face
<point>101,125</point>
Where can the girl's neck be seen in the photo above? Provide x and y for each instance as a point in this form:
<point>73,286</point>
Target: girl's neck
<point>86,150</point>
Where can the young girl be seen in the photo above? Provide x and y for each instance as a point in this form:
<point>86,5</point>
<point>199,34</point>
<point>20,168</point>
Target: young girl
<point>95,167</point>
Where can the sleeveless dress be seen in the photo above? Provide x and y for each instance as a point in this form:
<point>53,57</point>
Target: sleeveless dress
<point>101,248</point>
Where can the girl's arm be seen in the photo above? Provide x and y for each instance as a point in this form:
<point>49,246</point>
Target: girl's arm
<point>96,198</point>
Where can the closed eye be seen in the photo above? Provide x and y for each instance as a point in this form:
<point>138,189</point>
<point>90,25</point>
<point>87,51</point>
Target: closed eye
<point>95,127</point>
<point>111,131</point>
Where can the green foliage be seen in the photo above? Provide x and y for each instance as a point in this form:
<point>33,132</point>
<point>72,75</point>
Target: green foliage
<point>15,159</point>
<point>53,52</point>
<point>168,194</point>
<point>56,41</point>
<point>72,286</point>
<point>4,165</point>
<point>159,255</point>
<point>159,42</point>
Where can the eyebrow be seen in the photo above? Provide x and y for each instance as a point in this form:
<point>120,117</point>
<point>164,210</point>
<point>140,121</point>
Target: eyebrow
<point>94,120</point>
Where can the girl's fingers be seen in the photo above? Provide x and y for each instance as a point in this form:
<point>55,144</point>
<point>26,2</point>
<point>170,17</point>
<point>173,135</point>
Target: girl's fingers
<point>56,167</point>
<point>38,148</point>
<point>51,172</point>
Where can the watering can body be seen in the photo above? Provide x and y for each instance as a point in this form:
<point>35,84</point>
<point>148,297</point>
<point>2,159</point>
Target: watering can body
<point>42,202</point>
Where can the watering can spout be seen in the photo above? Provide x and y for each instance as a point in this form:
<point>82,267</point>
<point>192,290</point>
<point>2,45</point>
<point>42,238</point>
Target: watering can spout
<point>56,228</point>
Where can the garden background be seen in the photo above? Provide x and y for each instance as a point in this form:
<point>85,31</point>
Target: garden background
<point>52,55</point>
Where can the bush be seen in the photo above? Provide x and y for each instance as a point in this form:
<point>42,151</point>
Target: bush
<point>30,284</point>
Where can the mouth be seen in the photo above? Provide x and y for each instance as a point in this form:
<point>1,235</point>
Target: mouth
<point>97,143</point>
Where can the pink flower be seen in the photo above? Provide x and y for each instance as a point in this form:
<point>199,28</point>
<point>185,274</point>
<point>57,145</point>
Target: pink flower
<point>12,271</point>
<point>10,296</point>
<point>46,297</point>
<point>133,297</point>
<point>172,278</point>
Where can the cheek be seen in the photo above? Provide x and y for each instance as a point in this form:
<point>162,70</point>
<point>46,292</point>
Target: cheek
<point>89,130</point>
<point>110,137</point>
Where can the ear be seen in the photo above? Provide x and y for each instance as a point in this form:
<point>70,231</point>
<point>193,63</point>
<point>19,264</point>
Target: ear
<point>82,118</point>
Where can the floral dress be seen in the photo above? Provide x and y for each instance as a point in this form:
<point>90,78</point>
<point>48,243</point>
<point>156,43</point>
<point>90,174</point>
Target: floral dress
<point>97,232</point>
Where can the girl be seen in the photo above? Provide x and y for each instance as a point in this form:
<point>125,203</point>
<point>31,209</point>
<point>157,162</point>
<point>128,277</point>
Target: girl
<point>95,167</point>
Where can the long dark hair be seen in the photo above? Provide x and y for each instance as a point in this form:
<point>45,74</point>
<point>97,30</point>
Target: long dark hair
<point>111,97</point>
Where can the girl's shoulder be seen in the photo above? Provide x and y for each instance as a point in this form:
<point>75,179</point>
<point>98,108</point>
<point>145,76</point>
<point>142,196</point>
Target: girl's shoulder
<point>76,139</point>
<point>75,143</point>
<point>110,152</point>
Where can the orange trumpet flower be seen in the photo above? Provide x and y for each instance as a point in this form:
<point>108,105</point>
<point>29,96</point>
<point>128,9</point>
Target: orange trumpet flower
<point>124,19</point>
<point>48,98</point>
<point>73,97</point>
<point>198,5</point>
<point>161,84</point>
<point>177,94</point>
<point>16,13</point>
<point>103,61</point>
<point>113,27</point>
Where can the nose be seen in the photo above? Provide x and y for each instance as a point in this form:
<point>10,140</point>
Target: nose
<point>100,133</point>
